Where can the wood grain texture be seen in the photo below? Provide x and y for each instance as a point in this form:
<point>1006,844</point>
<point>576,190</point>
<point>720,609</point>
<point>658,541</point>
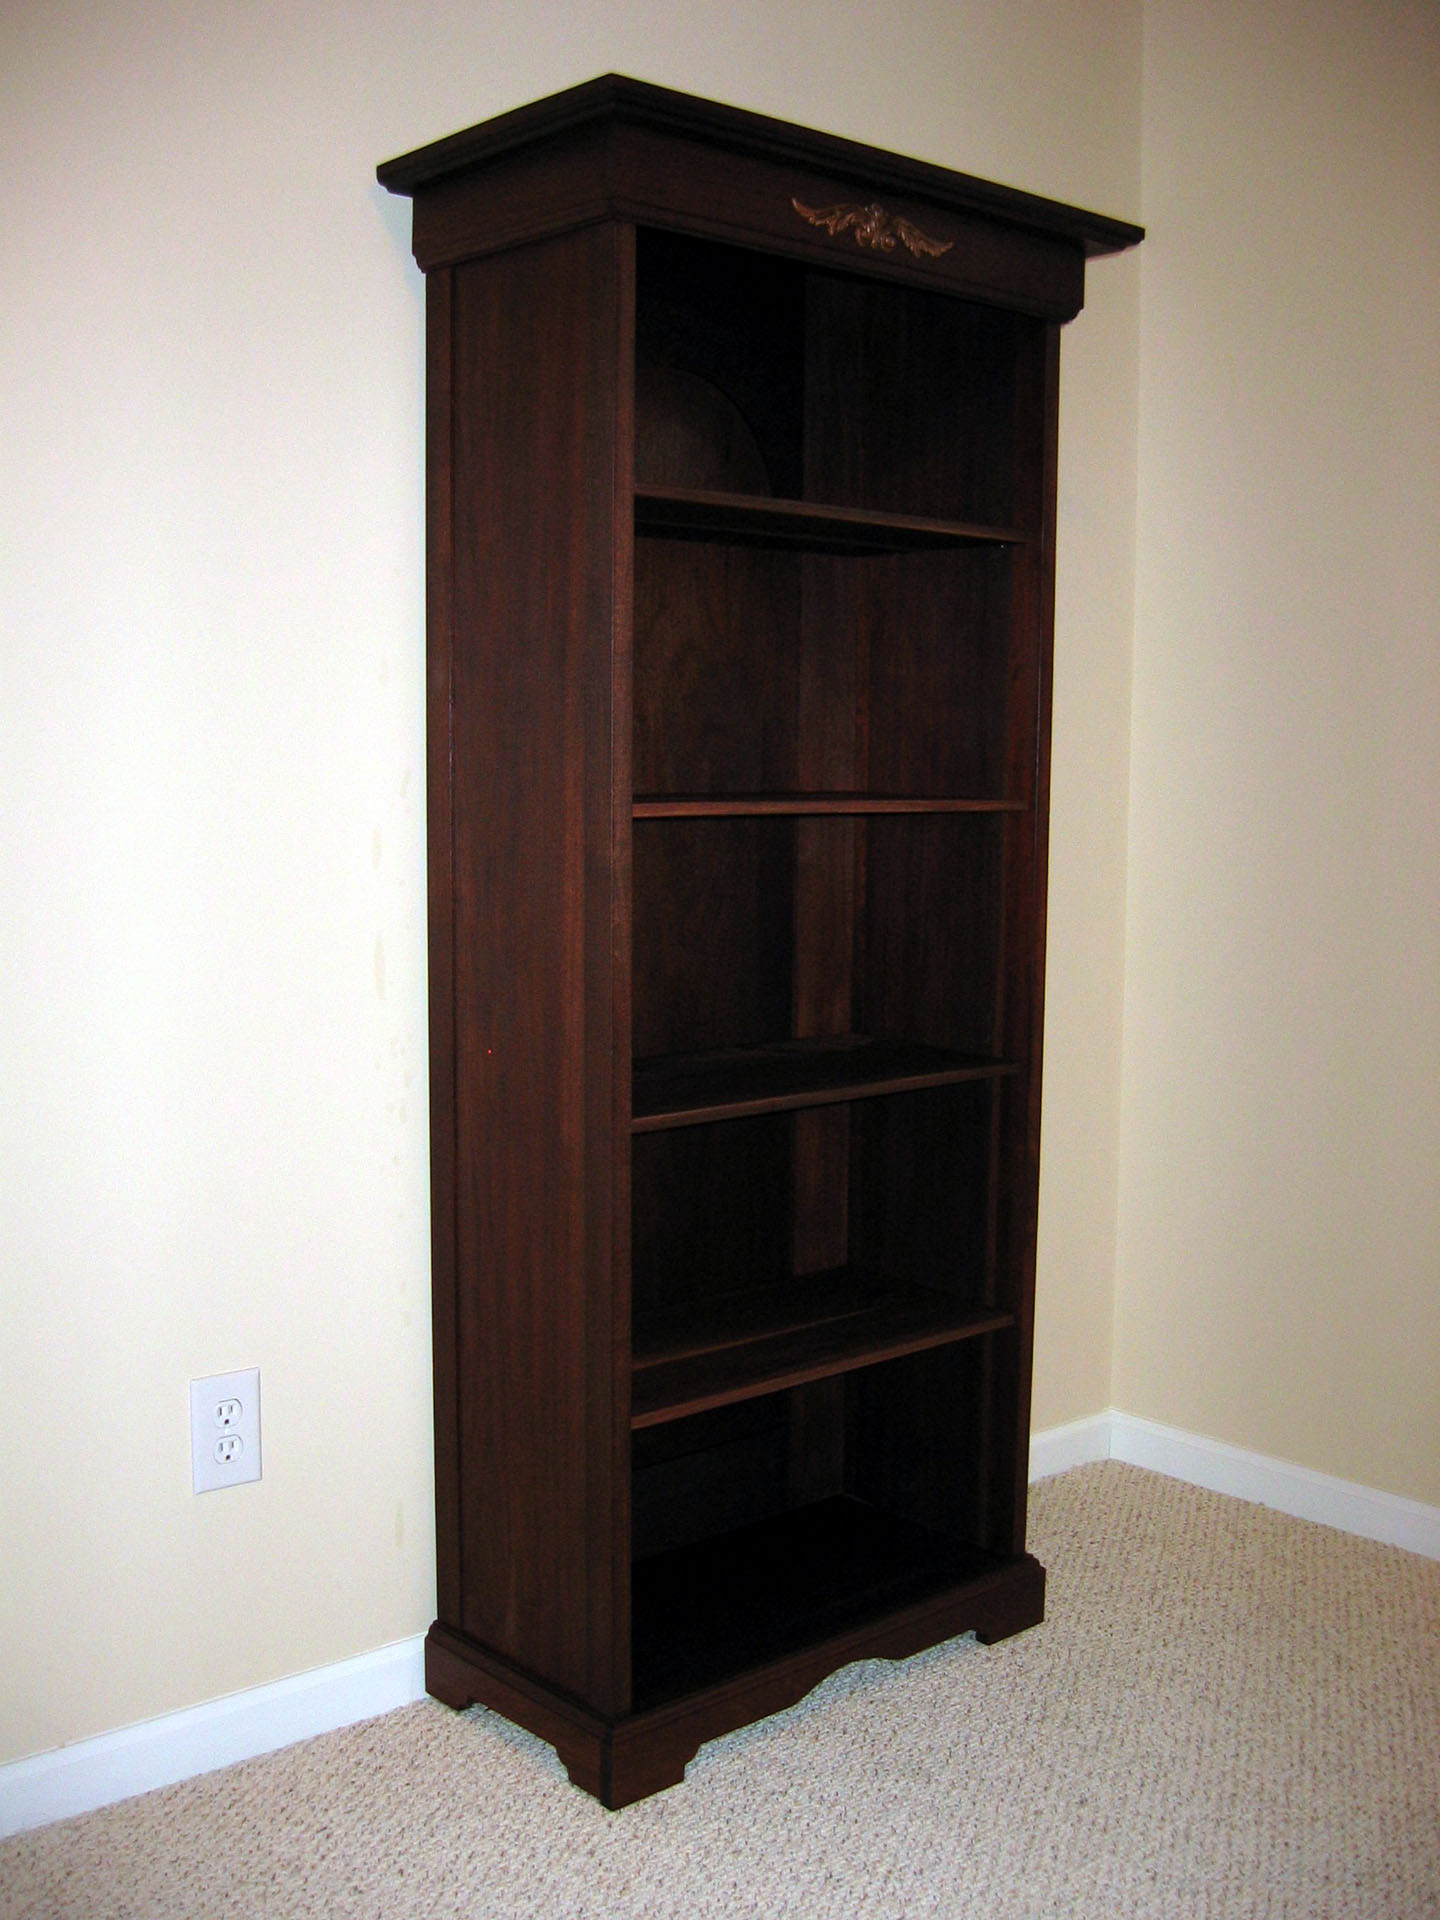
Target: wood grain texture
<point>531,729</point>
<point>441,905</point>
<point>1021,982</point>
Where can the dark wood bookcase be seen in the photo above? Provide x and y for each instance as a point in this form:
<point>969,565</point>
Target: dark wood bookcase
<point>741,538</point>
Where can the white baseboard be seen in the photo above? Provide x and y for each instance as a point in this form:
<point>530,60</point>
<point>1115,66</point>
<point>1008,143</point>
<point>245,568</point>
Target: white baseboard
<point>157,1753</point>
<point>94,1773</point>
<point>1223,1468</point>
<point>1058,1449</point>
<point>1276,1483</point>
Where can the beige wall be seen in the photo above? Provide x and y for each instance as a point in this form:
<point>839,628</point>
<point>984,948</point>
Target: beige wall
<point>211,881</point>
<point>1084,983</point>
<point>1279,1214</point>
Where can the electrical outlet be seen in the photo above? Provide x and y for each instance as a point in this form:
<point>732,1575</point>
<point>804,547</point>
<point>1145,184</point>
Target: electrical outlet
<point>225,1430</point>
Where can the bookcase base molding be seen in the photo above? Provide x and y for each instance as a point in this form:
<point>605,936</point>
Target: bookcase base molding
<point>625,1760</point>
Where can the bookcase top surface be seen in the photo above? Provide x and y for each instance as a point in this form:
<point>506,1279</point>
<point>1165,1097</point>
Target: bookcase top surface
<point>614,99</point>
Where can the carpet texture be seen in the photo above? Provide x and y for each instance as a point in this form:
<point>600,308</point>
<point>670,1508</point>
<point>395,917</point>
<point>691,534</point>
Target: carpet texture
<point>1226,1712</point>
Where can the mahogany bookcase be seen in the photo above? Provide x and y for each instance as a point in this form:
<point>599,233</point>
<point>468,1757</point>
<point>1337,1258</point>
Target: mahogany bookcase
<point>741,499</point>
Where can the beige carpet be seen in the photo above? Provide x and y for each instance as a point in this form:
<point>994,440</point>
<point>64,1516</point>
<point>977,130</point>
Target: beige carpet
<point>1227,1712</point>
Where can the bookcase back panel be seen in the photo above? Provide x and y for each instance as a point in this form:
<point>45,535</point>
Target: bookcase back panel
<point>710,1474</point>
<point>911,401</point>
<point>917,1431</point>
<point>717,959</point>
<point>731,1513</point>
<point>920,1183</point>
<point>937,649</point>
<point>903,1198</point>
<point>760,374</point>
<point>929,965</point>
<point>776,672</point>
<point>713,938</point>
<point>712,1210</point>
<point>720,357</point>
<point>717,668</point>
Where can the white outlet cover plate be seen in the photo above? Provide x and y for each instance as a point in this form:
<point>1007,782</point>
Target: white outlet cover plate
<point>214,1419</point>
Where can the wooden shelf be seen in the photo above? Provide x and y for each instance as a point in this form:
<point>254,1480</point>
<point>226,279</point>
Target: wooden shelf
<point>740,1346</point>
<point>692,513</point>
<point>691,806</point>
<point>704,1613</point>
<point>688,1090</point>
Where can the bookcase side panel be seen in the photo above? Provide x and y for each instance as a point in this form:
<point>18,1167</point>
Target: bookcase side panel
<point>441,911</point>
<point>1023,964</point>
<point>538,569</point>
